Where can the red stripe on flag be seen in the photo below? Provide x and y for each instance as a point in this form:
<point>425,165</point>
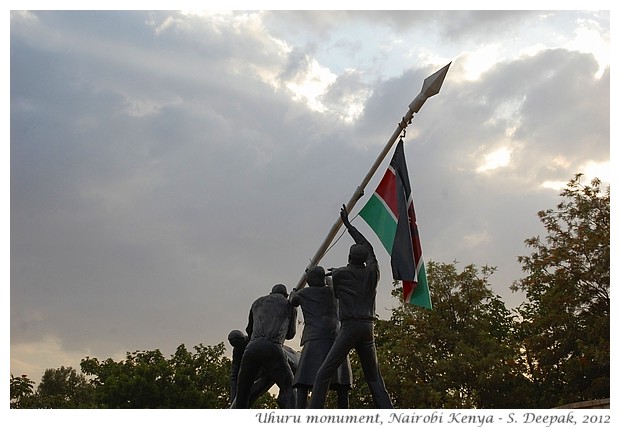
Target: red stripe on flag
<point>387,191</point>
<point>408,288</point>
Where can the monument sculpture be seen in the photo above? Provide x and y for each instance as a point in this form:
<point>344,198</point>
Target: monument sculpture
<point>321,323</point>
<point>355,286</point>
<point>272,320</point>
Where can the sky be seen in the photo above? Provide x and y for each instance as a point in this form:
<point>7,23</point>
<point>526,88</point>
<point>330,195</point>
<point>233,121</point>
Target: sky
<point>167,168</point>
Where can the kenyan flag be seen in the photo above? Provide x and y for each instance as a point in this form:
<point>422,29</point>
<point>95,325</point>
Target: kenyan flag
<point>389,212</point>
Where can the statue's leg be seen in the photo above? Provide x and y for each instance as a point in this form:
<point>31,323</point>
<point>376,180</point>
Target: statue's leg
<point>337,354</point>
<point>301,397</point>
<point>280,371</point>
<point>260,387</point>
<point>343,397</point>
<point>247,374</point>
<point>368,358</point>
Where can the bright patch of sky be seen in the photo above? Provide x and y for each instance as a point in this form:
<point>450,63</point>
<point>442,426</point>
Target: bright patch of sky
<point>380,54</point>
<point>476,239</point>
<point>481,60</point>
<point>591,170</point>
<point>589,37</point>
<point>600,170</point>
<point>498,158</point>
<point>310,86</point>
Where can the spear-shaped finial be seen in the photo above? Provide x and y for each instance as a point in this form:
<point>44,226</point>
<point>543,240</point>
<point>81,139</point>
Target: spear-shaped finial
<point>430,87</point>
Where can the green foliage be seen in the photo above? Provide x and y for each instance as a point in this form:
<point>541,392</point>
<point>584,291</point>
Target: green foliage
<point>64,388</point>
<point>59,388</point>
<point>21,390</point>
<point>146,379</point>
<point>566,325</point>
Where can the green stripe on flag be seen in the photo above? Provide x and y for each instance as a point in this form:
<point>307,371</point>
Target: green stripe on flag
<point>421,294</point>
<point>381,220</point>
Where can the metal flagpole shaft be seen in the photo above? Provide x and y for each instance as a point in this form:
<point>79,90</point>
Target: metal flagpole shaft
<point>431,86</point>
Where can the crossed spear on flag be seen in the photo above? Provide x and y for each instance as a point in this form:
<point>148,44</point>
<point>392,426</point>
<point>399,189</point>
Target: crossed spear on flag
<point>390,212</point>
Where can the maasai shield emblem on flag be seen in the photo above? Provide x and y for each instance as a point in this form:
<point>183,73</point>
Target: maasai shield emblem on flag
<point>390,213</point>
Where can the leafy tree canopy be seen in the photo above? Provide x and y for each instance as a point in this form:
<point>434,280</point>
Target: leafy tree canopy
<point>566,318</point>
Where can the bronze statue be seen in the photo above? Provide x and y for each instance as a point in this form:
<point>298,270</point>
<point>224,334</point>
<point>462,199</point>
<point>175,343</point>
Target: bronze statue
<point>238,340</point>
<point>320,310</point>
<point>272,320</point>
<point>355,287</point>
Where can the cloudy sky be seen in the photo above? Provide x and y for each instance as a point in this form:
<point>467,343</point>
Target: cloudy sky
<point>167,168</point>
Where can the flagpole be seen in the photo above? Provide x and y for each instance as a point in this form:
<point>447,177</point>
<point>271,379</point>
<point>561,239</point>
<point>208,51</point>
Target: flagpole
<point>431,86</point>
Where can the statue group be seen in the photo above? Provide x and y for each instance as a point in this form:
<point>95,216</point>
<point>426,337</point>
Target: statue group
<point>339,310</point>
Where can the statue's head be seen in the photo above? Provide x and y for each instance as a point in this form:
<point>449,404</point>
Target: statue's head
<point>315,276</point>
<point>237,338</point>
<point>358,254</point>
<point>279,288</point>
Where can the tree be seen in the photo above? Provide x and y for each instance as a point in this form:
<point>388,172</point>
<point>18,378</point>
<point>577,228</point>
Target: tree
<point>146,379</point>
<point>59,388</point>
<point>460,354</point>
<point>64,388</point>
<point>21,390</point>
<point>566,324</point>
